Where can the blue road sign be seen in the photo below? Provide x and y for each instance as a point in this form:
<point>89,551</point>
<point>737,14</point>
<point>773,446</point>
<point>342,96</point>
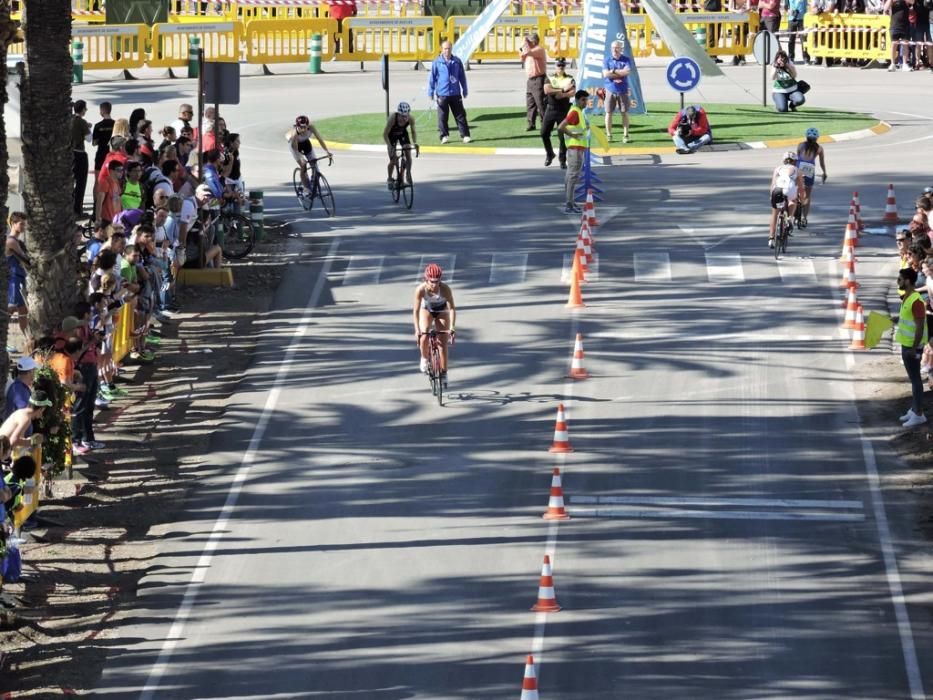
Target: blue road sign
<point>683,74</point>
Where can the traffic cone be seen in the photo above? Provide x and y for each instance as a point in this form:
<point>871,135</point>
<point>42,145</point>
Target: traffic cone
<point>858,333</point>
<point>575,298</point>
<point>555,504</point>
<point>587,233</point>
<point>547,602</point>
<point>848,276</point>
<point>581,255</point>
<point>530,681</point>
<point>853,221</point>
<point>589,210</point>
<point>851,310</point>
<point>561,438</point>
<point>859,221</point>
<point>577,370</point>
<point>850,241</point>
<point>583,242</point>
<point>890,207</point>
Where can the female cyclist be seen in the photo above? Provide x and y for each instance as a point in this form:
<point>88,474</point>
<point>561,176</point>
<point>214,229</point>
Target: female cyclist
<point>396,133</point>
<point>434,301</point>
<point>807,153</point>
<point>786,183</point>
<point>299,144</point>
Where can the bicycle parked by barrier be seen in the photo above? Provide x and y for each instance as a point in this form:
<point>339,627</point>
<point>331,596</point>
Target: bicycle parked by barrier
<point>320,188</point>
<point>436,374</point>
<point>235,232</point>
<point>403,187</point>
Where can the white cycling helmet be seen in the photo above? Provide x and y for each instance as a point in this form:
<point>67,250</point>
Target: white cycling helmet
<point>790,155</point>
<point>404,108</point>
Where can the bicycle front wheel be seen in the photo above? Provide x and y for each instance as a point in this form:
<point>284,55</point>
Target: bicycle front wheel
<point>325,195</point>
<point>409,193</point>
<point>238,236</point>
<point>785,234</point>
<point>304,197</point>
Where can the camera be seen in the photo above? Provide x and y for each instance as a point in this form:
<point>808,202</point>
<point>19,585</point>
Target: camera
<point>684,127</point>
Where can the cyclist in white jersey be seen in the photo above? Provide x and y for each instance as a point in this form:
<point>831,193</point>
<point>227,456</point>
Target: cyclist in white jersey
<point>434,302</point>
<point>786,184</point>
<point>299,142</point>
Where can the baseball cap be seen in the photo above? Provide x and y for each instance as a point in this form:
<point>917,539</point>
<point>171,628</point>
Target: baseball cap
<point>26,364</point>
<point>39,398</point>
<point>69,323</point>
<point>561,62</point>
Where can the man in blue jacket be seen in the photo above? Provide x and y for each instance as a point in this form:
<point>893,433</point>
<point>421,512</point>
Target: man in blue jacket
<point>448,82</point>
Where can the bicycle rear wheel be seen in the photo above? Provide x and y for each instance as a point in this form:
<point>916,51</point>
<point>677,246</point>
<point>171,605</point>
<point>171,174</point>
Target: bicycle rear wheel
<point>409,193</point>
<point>324,193</point>
<point>785,234</point>
<point>238,236</point>
<point>304,197</point>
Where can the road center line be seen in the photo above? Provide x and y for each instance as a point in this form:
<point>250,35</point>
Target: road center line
<point>174,636</point>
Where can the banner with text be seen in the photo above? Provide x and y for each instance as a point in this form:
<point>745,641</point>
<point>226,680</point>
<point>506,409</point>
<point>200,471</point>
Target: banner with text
<point>473,37</point>
<point>602,24</point>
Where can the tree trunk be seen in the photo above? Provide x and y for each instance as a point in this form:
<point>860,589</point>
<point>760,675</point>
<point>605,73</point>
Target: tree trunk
<point>47,164</point>
<point>7,33</point>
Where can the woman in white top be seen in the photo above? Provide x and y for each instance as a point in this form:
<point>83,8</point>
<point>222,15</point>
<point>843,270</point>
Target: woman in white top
<point>786,184</point>
<point>434,302</point>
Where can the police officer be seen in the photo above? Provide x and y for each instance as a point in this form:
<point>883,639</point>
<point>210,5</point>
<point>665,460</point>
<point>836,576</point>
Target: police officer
<point>558,91</point>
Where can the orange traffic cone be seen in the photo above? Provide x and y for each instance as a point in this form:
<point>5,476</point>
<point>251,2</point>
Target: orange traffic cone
<point>561,438</point>
<point>890,207</point>
<point>587,234</point>
<point>859,221</point>
<point>577,370</point>
<point>583,243</point>
<point>575,299</point>
<point>580,253</point>
<point>848,275</point>
<point>547,602</point>
<point>555,504</point>
<point>589,210</point>
<point>850,240</point>
<point>858,333</point>
<point>530,681</point>
<point>851,310</point>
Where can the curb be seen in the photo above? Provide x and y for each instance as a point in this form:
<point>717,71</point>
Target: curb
<point>881,127</point>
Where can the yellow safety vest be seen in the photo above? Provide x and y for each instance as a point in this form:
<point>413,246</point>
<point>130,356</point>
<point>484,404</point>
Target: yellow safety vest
<point>572,141</point>
<point>906,326</point>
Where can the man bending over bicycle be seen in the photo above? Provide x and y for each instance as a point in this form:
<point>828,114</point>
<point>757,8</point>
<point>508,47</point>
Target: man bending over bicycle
<point>396,133</point>
<point>434,302</point>
<point>786,186</point>
<point>299,141</point>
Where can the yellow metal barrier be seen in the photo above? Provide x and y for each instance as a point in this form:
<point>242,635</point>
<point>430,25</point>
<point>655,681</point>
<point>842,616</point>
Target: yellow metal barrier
<point>551,8</point>
<point>848,36</point>
<point>220,41</point>
<point>286,41</point>
<point>504,40</point>
<point>722,33</point>
<point>30,501</point>
<point>272,9</point>
<point>123,332</point>
<point>120,46</point>
<point>568,29</point>
<point>404,39</point>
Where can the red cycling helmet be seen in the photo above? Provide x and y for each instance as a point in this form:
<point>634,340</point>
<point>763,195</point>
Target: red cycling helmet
<point>433,272</point>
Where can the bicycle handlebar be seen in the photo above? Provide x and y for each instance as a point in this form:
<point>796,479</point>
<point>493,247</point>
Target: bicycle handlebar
<point>329,157</point>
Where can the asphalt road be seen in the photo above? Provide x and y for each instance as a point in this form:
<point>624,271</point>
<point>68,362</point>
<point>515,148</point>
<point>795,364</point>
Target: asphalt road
<point>728,538</point>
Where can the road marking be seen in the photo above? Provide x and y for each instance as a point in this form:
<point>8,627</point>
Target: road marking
<point>724,267</point>
<point>652,267</point>
<point>624,512</point>
<point>176,632</point>
<point>754,337</point>
<point>508,268</point>
<point>363,270</point>
<point>447,261</point>
<point>796,269</point>
<point>592,274</point>
<point>718,502</point>
<point>718,232</point>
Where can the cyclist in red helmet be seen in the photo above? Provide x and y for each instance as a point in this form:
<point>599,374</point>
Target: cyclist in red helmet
<point>434,302</point>
<point>299,142</point>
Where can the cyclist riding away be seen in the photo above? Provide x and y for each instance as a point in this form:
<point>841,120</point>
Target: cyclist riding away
<point>396,133</point>
<point>434,302</point>
<point>299,141</point>
<point>807,153</point>
<point>786,184</point>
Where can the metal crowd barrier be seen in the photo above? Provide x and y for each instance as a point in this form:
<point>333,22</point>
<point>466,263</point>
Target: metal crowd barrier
<point>721,33</point>
<point>281,41</point>
<point>847,36</point>
<point>30,501</point>
<point>504,40</point>
<point>565,38</point>
<point>121,46</point>
<point>220,41</point>
<point>123,332</point>
<point>403,38</point>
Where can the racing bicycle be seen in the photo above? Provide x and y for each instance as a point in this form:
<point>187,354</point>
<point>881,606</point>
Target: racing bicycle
<point>436,376</point>
<point>782,233</point>
<point>320,189</point>
<point>404,187</point>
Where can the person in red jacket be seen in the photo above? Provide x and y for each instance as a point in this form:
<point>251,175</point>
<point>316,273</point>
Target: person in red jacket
<point>690,129</point>
<point>340,10</point>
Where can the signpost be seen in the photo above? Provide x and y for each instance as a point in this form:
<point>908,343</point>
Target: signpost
<point>683,75</point>
<point>765,47</point>
<point>385,79</point>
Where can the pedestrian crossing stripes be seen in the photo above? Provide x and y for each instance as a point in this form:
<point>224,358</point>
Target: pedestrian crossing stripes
<point>724,267</point>
<point>652,267</point>
<point>794,270</point>
<point>363,270</point>
<point>592,272</point>
<point>508,268</point>
<point>447,261</point>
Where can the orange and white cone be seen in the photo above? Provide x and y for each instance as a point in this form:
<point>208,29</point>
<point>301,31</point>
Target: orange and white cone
<point>547,601</point>
<point>850,240</point>
<point>577,370</point>
<point>851,311</point>
<point>858,333</point>
<point>587,234</point>
<point>575,298</point>
<point>589,210</point>
<point>859,221</point>
<point>848,275</point>
<point>530,681</point>
<point>890,207</point>
<point>561,441</point>
<point>583,242</point>
<point>555,504</point>
<point>580,252</point>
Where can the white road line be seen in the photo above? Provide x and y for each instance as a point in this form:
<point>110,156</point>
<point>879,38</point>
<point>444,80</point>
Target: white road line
<point>652,267</point>
<point>754,337</point>
<point>447,261</point>
<point>724,267</point>
<point>592,274</point>
<point>714,502</point>
<point>363,270</point>
<point>176,632</point>
<point>508,268</point>
<point>623,512</point>
<point>797,270</point>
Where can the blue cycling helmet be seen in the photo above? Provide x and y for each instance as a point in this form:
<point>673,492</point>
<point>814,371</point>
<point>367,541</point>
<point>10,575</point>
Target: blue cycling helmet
<point>404,108</point>
<point>813,133</point>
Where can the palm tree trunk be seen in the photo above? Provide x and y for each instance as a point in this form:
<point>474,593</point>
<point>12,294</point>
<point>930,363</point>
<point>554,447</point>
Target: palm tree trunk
<point>47,162</point>
<point>7,32</point>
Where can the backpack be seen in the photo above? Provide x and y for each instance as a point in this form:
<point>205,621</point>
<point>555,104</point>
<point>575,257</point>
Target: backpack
<point>152,176</point>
